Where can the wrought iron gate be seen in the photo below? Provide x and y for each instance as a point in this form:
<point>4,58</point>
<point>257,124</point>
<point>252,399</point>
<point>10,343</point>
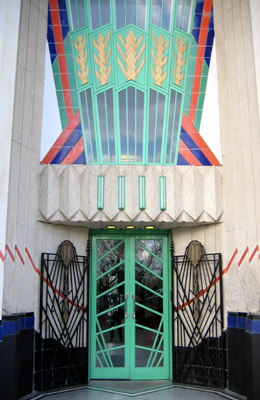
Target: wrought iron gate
<point>61,357</point>
<point>198,340</point>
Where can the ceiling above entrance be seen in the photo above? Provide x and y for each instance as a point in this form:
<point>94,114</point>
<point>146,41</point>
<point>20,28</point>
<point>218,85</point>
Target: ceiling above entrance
<point>130,80</point>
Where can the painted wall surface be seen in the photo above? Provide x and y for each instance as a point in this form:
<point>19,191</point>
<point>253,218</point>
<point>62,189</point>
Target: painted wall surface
<point>9,25</point>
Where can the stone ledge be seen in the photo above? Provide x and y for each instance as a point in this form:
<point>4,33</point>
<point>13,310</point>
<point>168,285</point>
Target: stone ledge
<point>68,195</point>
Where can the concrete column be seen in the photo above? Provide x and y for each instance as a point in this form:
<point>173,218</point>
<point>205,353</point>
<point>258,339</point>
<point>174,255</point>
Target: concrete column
<point>240,142</point>
<point>22,227</point>
<point>9,26</point>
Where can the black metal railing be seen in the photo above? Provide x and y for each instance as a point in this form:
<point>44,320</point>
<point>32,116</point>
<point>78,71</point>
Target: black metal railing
<point>62,345</point>
<point>198,340</point>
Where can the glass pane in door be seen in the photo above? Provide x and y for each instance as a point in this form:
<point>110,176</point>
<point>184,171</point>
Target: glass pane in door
<point>149,323</point>
<point>110,304</point>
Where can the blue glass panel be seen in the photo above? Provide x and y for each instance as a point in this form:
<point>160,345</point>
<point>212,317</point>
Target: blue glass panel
<point>122,121</point>
<point>141,14</point>
<point>197,21</point>
<point>156,12</point>
<point>156,117</point>
<point>131,122</point>
<point>120,14</point>
<point>131,12</point>
<point>62,4</point>
<point>139,125</point>
<point>100,13</point>
<point>50,34</point>
<point>199,7</point>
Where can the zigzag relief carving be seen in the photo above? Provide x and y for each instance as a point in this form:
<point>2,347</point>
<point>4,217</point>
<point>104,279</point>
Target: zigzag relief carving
<point>194,195</point>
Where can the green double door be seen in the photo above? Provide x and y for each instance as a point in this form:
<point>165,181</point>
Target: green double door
<point>129,327</point>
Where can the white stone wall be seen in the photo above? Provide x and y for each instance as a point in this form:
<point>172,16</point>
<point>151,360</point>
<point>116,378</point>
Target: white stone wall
<point>22,226</point>
<point>9,25</point>
<point>240,142</point>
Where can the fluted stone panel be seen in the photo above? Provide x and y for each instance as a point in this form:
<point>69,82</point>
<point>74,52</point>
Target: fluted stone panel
<point>68,195</point>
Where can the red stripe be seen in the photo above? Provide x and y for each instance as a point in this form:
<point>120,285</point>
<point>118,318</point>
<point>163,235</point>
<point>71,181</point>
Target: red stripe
<point>48,283</point>
<point>2,256</point>
<point>31,261</point>
<point>253,254</point>
<point>19,254</point>
<point>9,252</point>
<point>243,256</point>
<point>208,287</point>
<point>76,151</point>
<point>74,122</point>
<point>230,262</point>
<point>200,57</point>
<point>187,154</point>
<point>55,16</point>
<point>196,137</point>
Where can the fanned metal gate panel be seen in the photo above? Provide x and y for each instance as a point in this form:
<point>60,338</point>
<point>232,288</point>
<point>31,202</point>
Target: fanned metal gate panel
<point>62,352</point>
<point>198,342</point>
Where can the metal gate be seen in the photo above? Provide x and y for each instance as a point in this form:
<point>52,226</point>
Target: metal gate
<point>62,352</point>
<point>198,340</point>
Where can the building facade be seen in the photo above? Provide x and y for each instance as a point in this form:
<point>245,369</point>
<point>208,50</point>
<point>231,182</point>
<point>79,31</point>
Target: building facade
<point>128,175</point>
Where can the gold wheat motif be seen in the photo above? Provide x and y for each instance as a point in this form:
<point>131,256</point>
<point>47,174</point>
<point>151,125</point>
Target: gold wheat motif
<point>159,59</point>
<point>180,61</point>
<point>81,59</point>
<point>131,45</point>
<point>102,59</point>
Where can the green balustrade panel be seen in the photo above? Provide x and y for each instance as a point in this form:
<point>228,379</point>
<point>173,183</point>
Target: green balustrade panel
<point>130,59</point>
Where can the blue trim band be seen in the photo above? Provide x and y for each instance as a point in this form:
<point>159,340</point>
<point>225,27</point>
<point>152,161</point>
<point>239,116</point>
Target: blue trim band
<point>250,323</point>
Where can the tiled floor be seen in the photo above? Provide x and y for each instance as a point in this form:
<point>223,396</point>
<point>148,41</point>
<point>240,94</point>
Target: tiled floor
<point>138,390</point>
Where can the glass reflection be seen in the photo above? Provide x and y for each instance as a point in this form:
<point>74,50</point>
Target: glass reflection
<point>156,118</point>
<point>131,12</point>
<point>100,12</point>
<point>77,12</point>
<point>106,123</point>
<point>184,12</point>
<point>162,13</point>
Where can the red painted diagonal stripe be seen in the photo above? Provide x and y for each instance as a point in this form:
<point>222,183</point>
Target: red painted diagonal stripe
<point>210,286</point>
<point>55,16</point>
<point>19,254</point>
<point>62,139</point>
<point>200,56</point>
<point>74,153</point>
<point>225,270</point>
<point>185,152</point>
<point>9,252</point>
<point>243,256</point>
<point>196,137</point>
<point>254,253</point>
<point>2,257</point>
<point>48,283</point>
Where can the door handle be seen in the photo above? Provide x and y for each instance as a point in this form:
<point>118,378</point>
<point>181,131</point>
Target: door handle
<point>126,298</point>
<point>133,313</point>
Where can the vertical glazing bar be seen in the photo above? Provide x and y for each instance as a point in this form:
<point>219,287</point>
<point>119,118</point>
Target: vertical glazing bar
<point>121,192</point>
<point>142,199</point>
<point>99,13</point>
<point>127,127</point>
<point>135,118</point>
<point>100,192</point>
<point>162,187</point>
<point>162,10</point>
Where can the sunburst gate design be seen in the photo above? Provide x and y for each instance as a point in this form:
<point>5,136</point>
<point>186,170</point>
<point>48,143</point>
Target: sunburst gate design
<point>130,94</point>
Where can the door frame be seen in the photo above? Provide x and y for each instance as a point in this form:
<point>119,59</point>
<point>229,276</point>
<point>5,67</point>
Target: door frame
<point>135,233</point>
